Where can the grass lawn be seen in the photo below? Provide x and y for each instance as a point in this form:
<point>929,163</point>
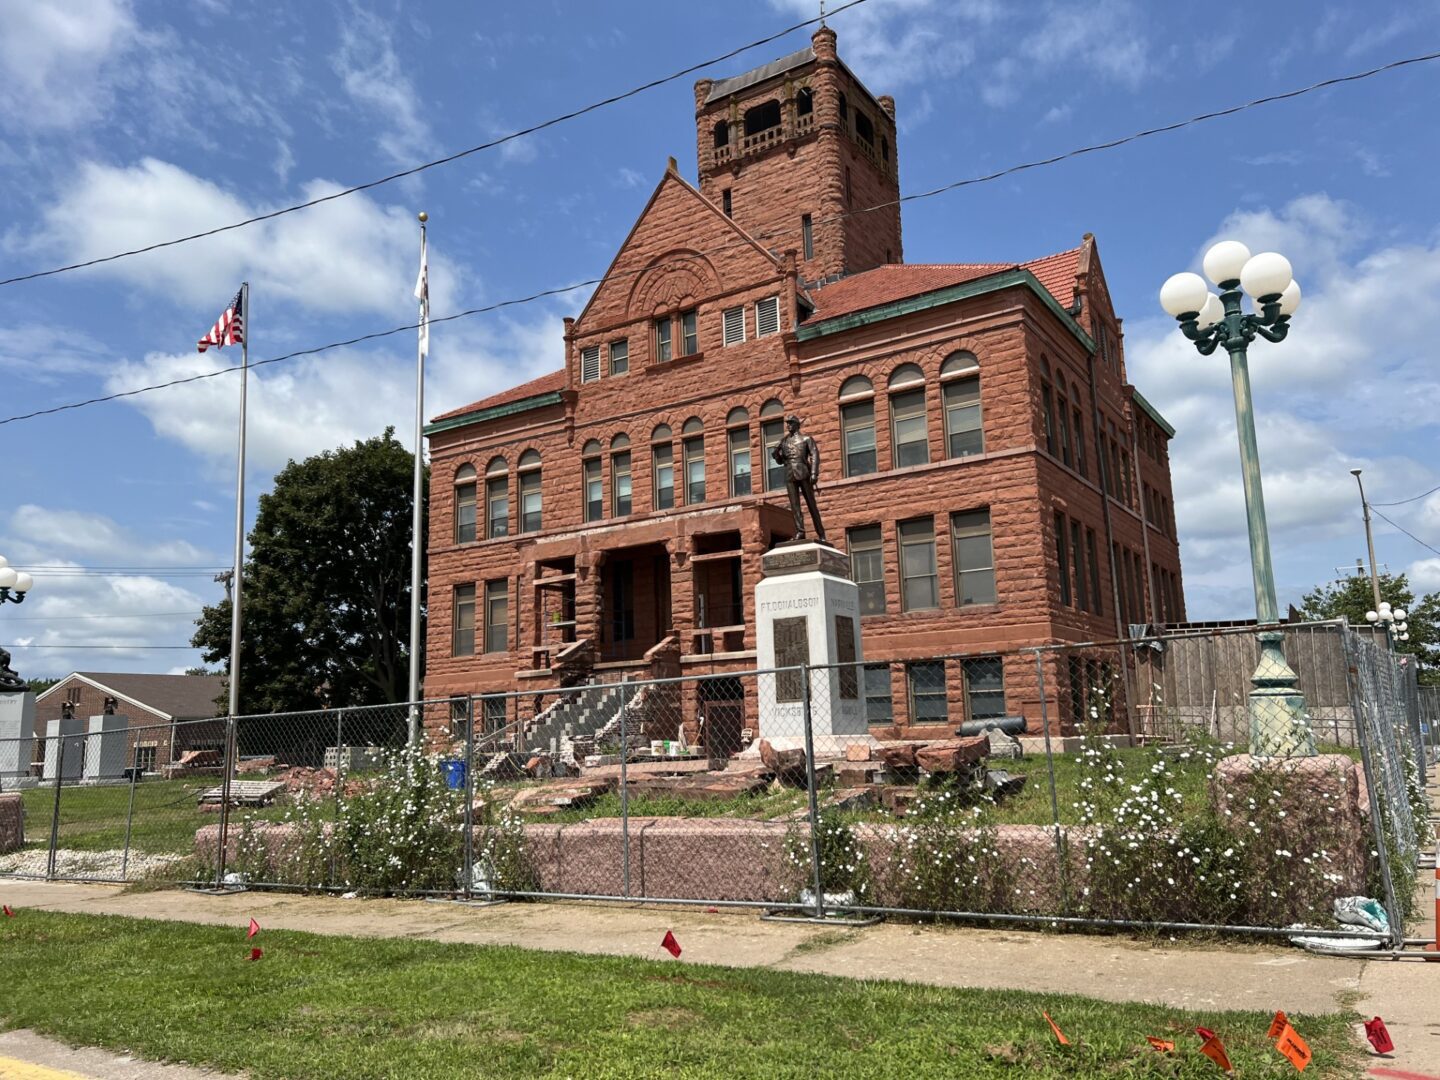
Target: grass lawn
<point>345,1007</point>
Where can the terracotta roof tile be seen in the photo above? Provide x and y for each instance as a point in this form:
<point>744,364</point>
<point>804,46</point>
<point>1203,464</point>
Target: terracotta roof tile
<point>545,384</point>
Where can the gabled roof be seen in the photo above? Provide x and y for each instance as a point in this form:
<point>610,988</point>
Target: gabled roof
<point>897,281</point>
<point>545,384</point>
<point>175,697</point>
<point>722,87</point>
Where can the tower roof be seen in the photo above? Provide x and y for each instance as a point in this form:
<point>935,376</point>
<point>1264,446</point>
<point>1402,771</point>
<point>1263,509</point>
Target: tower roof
<point>723,87</point>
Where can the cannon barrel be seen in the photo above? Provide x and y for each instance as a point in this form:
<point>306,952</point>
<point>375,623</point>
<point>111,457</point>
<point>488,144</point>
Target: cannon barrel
<point>1010,725</point>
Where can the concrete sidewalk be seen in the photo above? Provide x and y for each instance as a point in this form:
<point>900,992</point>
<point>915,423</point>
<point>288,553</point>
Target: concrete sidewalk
<point>1245,976</point>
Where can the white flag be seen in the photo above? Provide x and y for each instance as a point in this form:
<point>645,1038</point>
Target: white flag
<point>422,293</point>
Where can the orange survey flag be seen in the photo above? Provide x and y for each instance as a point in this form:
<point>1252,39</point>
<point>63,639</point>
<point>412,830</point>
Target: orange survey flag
<point>1165,1046</point>
<point>670,945</point>
<point>1056,1029</point>
<point>1276,1026</point>
<point>254,929</point>
<point>1293,1047</point>
<point>1213,1048</point>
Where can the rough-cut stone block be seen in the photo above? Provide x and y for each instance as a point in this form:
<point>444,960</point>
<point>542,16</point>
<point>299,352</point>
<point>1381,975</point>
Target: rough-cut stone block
<point>952,755</point>
<point>850,776</point>
<point>857,752</point>
<point>787,765</point>
<point>897,755</point>
<point>557,795</point>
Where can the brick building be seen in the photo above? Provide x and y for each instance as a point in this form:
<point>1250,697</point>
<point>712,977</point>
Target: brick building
<point>993,476</point>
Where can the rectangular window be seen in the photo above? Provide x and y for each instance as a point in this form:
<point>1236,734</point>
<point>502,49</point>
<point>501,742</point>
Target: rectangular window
<point>771,432</point>
<point>497,507</point>
<point>689,337</point>
<point>767,316</point>
<point>662,340</point>
<point>907,428</point>
<point>807,235</point>
<point>695,470</point>
<point>1096,600</point>
<point>594,491</point>
<point>739,440</point>
<point>145,758</point>
<point>662,468</point>
<point>867,567</point>
<point>1127,478</point>
<point>462,628</point>
<point>1062,559</point>
<point>1047,416</point>
<point>962,418</point>
<point>620,491</point>
<point>984,688</point>
<point>497,615</point>
<point>1119,574</point>
<point>857,423</point>
<point>464,513</point>
<point>1064,408</point>
<point>1077,556</point>
<point>494,711</point>
<point>726,202</point>
<point>926,683</point>
<point>879,707</point>
<point>590,364</point>
<point>733,328</point>
<point>920,583</point>
<point>620,357</point>
<point>1079,443</point>
<point>974,558</point>
<point>530,501</point>
<point>849,188</point>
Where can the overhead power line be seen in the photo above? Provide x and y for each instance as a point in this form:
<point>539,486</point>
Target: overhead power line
<point>1413,498</point>
<point>447,159</point>
<point>133,615</point>
<point>916,196</point>
<point>1404,530</point>
<point>67,648</point>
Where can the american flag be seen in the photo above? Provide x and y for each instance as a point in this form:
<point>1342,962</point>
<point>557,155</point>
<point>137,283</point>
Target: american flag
<point>229,329</point>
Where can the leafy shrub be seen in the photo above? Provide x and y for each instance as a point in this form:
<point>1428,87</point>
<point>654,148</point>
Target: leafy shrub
<point>402,834</point>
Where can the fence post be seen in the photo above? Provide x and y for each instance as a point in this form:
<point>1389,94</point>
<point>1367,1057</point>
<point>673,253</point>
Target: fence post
<point>625,796</point>
<point>1062,852</point>
<point>129,820</point>
<point>814,805</point>
<point>230,748</point>
<point>469,868</point>
<point>55,812</point>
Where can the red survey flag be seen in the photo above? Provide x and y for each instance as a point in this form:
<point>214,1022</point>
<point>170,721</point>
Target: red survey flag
<point>1165,1046</point>
<point>1276,1026</point>
<point>1213,1048</point>
<point>255,954</point>
<point>1293,1047</point>
<point>254,929</point>
<point>670,945</point>
<point>1060,1035</point>
<point>9,912</point>
<point>1378,1036</point>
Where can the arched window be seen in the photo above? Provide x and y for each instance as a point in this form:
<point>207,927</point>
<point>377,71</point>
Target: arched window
<point>465,504</point>
<point>960,386</point>
<point>804,102</point>
<point>857,425</point>
<point>621,502</point>
<point>593,483</point>
<point>909,434</point>
<point>531,518</point>
<point>497,498</point>
<point>1047,407</point>
<point>1077,416</point>
<point>693,448</point>
<point>772,430</point>
<point>762,117</point>
<point>864,129</point>
<point>885,150</point>
<point>737,444</point>
<point>620,441</point>
<point>722,133</point>
<point>662,467</point>
<point>693,426</point>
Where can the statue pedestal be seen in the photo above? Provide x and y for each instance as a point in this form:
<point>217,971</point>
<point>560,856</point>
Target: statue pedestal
<point>807,611</point>
<point>17,737</point>
<point>71,732</point>
<point>105,747</point>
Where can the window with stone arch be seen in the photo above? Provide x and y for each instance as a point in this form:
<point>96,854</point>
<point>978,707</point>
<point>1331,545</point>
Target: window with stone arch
<point>465,504</point>
<point>621,491</point>
<point>857,426</point>
<point>497,498</point>
<point>804,101</point>
<point>909,432</point>
<point>1078,427</point>
<point>531,518</point>
<point>1047,407</point>
<point>737,451</point>
<point>592,480</point>
<point>762,117</point>
<point>662,467</point>
<point>693,448</point>
<point>960,390</point>
<point>772,430</point>
<point>722,133</point>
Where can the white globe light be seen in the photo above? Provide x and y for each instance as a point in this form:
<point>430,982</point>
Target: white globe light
<point>1371,616</point>
<point>23,582</point>
<point>1183,294</point>
<point>1212,312</point>
<point>1384,607</point>
<point>1404,637</point>
<point>1266,274</point>
<point>4,561</point>
<point>1399,614</point>
<point>1290,299</point>
<point>7,577</point>
<point>1225,260</point>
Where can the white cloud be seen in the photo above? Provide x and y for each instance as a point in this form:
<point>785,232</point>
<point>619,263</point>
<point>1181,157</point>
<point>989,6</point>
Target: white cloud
<point>346,255</point>
<point>35,531</point>
<point>372,74</point>
<point>46,353</point>
<point>1424,575</point>
<point>57,60</point>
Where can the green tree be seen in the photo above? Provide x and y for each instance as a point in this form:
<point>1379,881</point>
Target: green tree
<point>1352,597</point>
<point>39,686</point>
<point>327,584</point>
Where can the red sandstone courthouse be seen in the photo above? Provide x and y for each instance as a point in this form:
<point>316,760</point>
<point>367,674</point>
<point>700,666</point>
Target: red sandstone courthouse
<point>994,478</point>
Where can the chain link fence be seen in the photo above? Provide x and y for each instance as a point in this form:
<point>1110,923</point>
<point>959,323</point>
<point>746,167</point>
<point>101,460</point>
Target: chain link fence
<point>1178,781</point>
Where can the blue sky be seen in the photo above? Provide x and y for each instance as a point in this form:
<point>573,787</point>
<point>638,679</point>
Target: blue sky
<point>123,122</point>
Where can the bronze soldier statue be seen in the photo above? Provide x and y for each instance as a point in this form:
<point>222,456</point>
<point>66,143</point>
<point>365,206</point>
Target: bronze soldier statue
<point>10,682</point>
<point>801,458</point>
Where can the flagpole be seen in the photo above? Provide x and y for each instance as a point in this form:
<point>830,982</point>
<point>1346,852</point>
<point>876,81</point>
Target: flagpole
<point>240,505</point>
<point>417,521</point>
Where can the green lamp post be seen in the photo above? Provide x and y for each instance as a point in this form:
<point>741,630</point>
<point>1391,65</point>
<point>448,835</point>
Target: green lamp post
<point>1279,725</point>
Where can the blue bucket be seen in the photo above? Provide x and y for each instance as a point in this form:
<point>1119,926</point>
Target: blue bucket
<point>454,773</point>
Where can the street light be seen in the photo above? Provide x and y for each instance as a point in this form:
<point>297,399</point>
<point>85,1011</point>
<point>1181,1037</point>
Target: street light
<point>14,584</point>
<point>1392,619</point>
<point>1278,722</point>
